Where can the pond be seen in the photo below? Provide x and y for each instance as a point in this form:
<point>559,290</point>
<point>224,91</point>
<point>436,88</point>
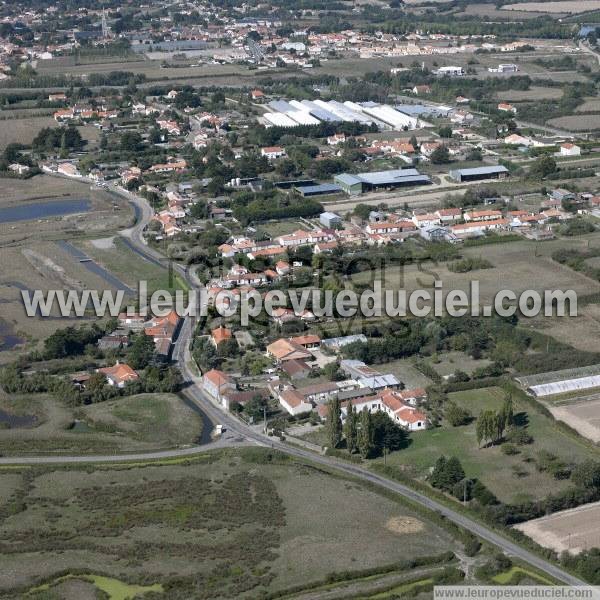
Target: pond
<point>8,339</point>
<point>16,421</point>
<point>40,210</point>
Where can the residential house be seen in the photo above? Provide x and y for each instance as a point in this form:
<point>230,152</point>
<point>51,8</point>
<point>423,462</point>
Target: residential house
<point>283,350</point>
<point>293,402</point>
<point>506,107</point>
<point>177,165</point>
<point>216,384</point>
<point>428,148</point>
<point>568,149</point>
<point>68,169</point>
<point>119,375</point>
<point>296,369</point>
<point>448,215</point>
<point>272,152</point>
<point>482,215</point>
<point>219,335</point>
<point>336,138</point>
<point>419,90</point>
<point>113,342</point>
<point>307,341</point>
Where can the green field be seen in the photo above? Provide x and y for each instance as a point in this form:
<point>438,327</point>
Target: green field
<point>517,266</point>
<point>134,423</point>
<point>504,475</point>
<point>229,524</point>
<point>125,264</point>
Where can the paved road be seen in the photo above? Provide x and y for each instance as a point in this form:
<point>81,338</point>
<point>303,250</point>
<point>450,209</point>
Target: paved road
<point>237,433</point>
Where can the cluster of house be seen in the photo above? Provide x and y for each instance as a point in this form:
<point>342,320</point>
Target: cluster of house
<point>444,224</point>
<point>119,375</point>
<point>163,330</point>
<point>82,113</point>
<point>564,148</point>
<point>296,357</point>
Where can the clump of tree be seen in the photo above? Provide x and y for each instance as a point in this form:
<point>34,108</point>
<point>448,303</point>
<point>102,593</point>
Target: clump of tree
<point>469,264</point>
<point>491,424</point>
<point>351,429</point>
<point>333,424</point>
<point>576,227</point>
<point>141,351</point>
<point>50,139</point>
<point>440,156</point>
<point>542,167</point>
<point>457,415</point>
<point>365,440</point>
<point>447,472</point>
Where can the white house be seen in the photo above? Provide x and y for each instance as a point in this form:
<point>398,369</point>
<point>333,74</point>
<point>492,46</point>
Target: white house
<point>294,402</point>
<point>272,152</point>
<point>568,149</point>
<point>215,383</point>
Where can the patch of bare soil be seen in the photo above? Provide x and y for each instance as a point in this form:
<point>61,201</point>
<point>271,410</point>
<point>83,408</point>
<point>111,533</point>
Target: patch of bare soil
<point>403,525</point>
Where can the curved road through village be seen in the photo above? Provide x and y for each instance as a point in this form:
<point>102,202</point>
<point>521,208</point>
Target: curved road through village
<point>237,433</point>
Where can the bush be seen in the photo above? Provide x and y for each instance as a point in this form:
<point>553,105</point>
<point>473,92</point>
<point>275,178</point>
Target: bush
<point>472,546</point>
<point>469,264</point>
<point>519,436</point>
<point>509,449</point>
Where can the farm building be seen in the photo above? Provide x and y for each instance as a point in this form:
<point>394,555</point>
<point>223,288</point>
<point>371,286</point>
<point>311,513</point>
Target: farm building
<point>358,183</point>
<point>450,71</point>
<point>317,190</point>
<point>562,195</point>
<point>330,220</point>
<point>479,173</point>
<point>559,382</point>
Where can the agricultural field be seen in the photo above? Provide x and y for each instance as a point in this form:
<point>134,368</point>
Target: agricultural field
<point>232,524</point>
<point>518,266</point>
<point>533,94</point>
<point>150,68</point>
<point>570,530</point>
<point>21,130</point>
<point>555,6</point>
<point>512,478</point>
<point>578,123</point>
<point>590,105</point>
<point>37,423</point>
<point>579,411</point>
<point>490,11</point>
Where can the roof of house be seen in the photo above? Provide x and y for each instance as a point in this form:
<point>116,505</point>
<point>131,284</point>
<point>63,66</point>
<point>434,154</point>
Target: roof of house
<point>217,378</point>
<point>294,367</point>
<point>283,349</point>
<point>246,396</point>
<point>318,388</point>
<point>220,334</point>
<point>305,340</point>
<point>120,373</point>
<point>292,398</point>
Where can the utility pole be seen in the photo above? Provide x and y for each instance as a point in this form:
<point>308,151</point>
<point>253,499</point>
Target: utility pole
<point>265,419</point>
<point>465,492</point>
